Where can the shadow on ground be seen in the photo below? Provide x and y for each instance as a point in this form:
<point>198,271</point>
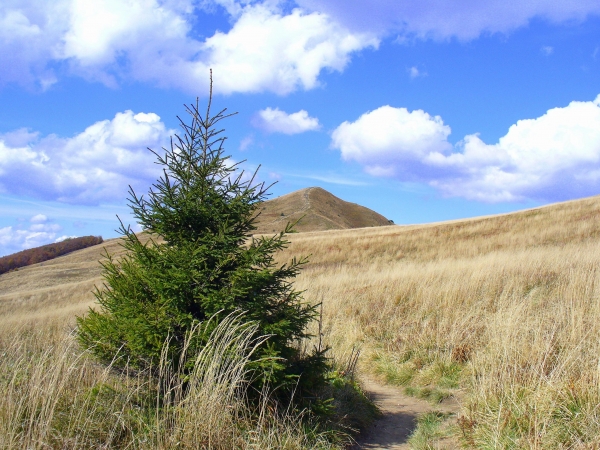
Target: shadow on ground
<point>391,431</point>
<point>398,420</point>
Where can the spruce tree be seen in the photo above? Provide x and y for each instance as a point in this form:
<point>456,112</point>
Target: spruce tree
<point>201,261</point>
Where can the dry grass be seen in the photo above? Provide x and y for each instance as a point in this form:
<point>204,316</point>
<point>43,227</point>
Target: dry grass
<point>502,312</point>
<point>53,290</point>
<point>54,396</point>
<point>315,209</point>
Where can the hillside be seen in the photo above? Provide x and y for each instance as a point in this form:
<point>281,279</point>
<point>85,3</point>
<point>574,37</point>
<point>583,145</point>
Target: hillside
<point>317,210</point>
<point>46,252</point>
<point>501,313</point>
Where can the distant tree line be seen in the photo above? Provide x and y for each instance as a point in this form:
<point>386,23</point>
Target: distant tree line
<point>46,252</point>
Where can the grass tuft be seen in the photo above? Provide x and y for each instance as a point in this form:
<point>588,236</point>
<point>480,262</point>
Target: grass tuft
<point>431,427</point>
<point>55,396</point>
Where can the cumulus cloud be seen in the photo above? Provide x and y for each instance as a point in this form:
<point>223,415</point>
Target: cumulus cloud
<point>267,47</point>
<point>154,41</point>
<point>268,51</point>
<point>392,141</point>
<point>91,167</point>
<point>29,35</point>
<point>40,232</point>
<point>277,121</point>
<point>443,19</point>
<point>553,157</point>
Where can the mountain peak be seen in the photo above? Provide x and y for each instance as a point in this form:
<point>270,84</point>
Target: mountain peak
<point>315,209</point>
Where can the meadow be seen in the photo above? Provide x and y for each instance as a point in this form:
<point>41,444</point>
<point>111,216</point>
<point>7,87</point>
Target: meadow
<point>501,313</point>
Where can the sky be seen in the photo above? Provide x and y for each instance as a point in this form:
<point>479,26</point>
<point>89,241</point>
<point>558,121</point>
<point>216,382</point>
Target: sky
<point>422,110</point>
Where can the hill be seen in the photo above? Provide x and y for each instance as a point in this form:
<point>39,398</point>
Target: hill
<point>317,210</point>
<point>46,252</point>
<point>500,312</point>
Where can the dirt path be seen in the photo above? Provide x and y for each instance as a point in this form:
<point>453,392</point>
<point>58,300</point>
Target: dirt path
<point>399,418</point>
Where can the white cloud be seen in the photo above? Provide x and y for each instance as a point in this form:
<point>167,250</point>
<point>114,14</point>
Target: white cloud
<point>94,166</point>
<point>99,32</point>
<point>14,240</point>
<point>154,41</point>
<point>552,157</point>
<point>19,138</point>
<point>443,19</point>
<point>45,227</point>
<point>30,33</point>
<point>39,218</point>
<point>390,141</point>
<point>277,121</point>
<point>140,39</point>
<point>267,48</point>
<point>266,51</point>
<point>547,50</point>
<point>64,238</point>
<point>414,72</point>
<point>39,233</point>
<point>246,142</point>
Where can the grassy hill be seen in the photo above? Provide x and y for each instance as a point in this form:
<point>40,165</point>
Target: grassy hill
<point>46,252</point>
<point>316,210</point>
<point>501,313</point>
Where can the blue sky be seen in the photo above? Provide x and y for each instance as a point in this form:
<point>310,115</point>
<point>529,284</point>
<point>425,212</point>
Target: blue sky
<point>421,110</point>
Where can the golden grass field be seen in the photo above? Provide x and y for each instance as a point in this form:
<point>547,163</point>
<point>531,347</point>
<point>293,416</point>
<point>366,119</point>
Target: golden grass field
<point>501,312</point>
<point>504,312</point>
<point>55,396</point>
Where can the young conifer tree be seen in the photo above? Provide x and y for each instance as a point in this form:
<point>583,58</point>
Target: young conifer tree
<point>200,261</point>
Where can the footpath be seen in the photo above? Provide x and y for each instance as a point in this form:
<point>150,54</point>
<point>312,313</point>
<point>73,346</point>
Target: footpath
<point>399,418</point>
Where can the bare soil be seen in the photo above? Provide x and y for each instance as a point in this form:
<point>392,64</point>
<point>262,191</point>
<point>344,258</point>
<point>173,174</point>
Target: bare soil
<point>399,417</point>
